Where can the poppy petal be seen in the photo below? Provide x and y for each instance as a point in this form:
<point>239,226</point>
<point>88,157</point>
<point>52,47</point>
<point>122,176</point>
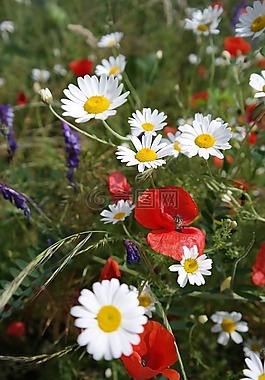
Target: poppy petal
<point>171,374</point>
<point>171,243</point>
<point>148,211</point>
<point>118,186</point>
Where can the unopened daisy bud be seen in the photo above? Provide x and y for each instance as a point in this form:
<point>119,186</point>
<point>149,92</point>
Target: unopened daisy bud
<point>46,95</point>
<point>202,319</point>
<point>225,284</point>
<point>159,54</point>
<point>226,55</point>
<point>108,373</point>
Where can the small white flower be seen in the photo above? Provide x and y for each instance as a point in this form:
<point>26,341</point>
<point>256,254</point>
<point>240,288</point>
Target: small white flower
<point>253,346</point>
<point>147,121</point>
<point>252,23</point>
<point>111,40</point>
<point>112,67</point>
<point>257,82</point>
<point>148,153</point>
<point>205,137</point>
<point>39,75</point>
<point>172,140</point>
<point>59,69</point>
<point>46,95</point>
<point>256,369</point>
<point>205,22</point>
<point>227,325</point>
<point>118,212</point>
<point>7,26</point>
<point>95,98</point>
<point>192,267</point>
<point>145,298</point>
<point>110,318</point>
<point>194,59</point>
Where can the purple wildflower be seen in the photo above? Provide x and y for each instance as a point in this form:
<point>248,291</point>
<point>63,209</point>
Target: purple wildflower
<point>239,8</point>
<point>72,148</point>
<point>6,121</point>
<point>132,252</point>
<point>16,198</point>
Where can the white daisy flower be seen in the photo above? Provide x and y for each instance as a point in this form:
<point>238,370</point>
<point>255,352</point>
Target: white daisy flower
<point>111,40</point>
<point>94,98</point>
<point>192,267</point>
<point>145,298</point>
<point>118,212</point>
<point>40,75</point>
<point>256,370</point>
<point>252,23</point>
<point>253,346</point>
<point>257,82</point>
<point>147,121</point>
<point>112,66</point>
<point>194,59</point>
<point>110,318</point>
<point>148,153</point>
<point>205,137</point>
<point>172,140</point>
<point>205,22</point>
<point>227,324</point>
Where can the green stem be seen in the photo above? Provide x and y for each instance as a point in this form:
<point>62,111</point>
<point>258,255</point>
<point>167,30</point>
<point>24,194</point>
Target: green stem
<point>132,90</point>
<point>93,137</point>
<point>114,133</point>
<point>212,72</point>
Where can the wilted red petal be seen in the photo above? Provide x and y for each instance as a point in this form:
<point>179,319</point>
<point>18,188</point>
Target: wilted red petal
<point>110,270</point>
<point>153,354</point>
<point>118,186</point>
<point>236,46</point>
<point>148,211</point>
<point>16,329</point>
<point>171,243</point>
<point>81,67</point>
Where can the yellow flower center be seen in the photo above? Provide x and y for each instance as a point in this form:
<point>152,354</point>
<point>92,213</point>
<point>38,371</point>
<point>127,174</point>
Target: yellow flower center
<point>112,42</point>
<point>176,146</point>
<point>144,300</point>
<point>119,215</point>
<point>228,325</point>
<point>148,126</point>
<point>202,27</point>
<point>204,140</point>
<point>190,265</point>
<point>261,377</point>
<point>255,347</point>
<point>114,70</point>
<point>146,155</point>
<point>96,104</point>
<point>109,318</point>
<point>258,24</point>
<point>263,88</point>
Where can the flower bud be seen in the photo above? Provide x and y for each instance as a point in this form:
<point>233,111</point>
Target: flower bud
<point>46,95</point>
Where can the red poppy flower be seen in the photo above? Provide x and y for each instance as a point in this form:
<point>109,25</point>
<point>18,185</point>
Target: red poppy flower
<point>258,269</point>
<point>81,67</point>
<point>16,328</point>
<point>241,184</point>
<point>199,99</point>
<point>252,138</point>
<point>202,70</point>
<point>168,129</point>
<point>110,270</point>
<point>236,46</point>
<point>21,98</point>
<point>118,186</point>
<point>153,354</point>
<point>166,211</point>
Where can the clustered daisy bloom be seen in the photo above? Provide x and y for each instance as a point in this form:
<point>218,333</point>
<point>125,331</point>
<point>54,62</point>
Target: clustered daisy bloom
<point>145,298</point>
<point>228,325</point>
<point>192,267</point>
<point>257,82</point>
<point>93,98</point>
<point>112,66</point>
<point>205,22</point>
<point>172,140</point>
<point>110,40</point>
<point>252,22</point>
<point>110,318</point>
<point>147,121</point>
<point>205,137</point>
<point>148,153</point>
<point>256,370</point>
<point>118,212</point>
<point>253,345</point>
